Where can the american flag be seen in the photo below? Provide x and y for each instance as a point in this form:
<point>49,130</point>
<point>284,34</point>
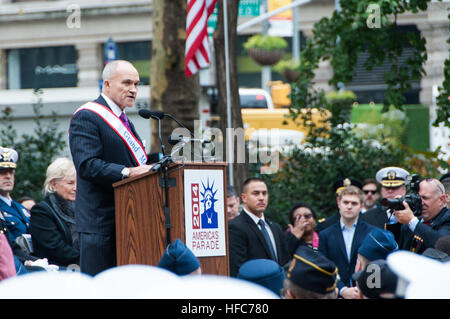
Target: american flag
<point>198,53</point>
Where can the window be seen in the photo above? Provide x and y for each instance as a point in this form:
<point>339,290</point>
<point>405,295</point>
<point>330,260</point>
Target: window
<point>47,67</point>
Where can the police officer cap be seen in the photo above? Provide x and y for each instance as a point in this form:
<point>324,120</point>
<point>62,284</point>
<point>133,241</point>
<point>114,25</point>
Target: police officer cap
<point>312,271</point>
<point>8,158</point>
<point>378,244</point>
<point>179,259</point>
<point>341,183</point>
<point>265,272</point>
<point>392,176</point>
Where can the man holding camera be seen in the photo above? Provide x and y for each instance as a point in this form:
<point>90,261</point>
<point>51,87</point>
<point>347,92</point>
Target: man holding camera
<point>420,233</point>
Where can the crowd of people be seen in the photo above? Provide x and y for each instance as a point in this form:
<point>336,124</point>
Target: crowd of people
<point>73,226</point>
<point>358,237</point>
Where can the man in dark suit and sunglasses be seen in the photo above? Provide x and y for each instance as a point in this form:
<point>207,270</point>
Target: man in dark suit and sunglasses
<point>371,192</point>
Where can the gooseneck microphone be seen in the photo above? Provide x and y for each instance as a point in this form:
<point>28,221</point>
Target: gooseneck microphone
<point>157,115</point>
<point>160,115</point>
<point>146,114</point>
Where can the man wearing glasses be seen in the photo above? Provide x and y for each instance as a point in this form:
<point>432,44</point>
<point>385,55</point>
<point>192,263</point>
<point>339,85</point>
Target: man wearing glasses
<point>393,181</point>
<point>420,233</point>
<point>371,194</point>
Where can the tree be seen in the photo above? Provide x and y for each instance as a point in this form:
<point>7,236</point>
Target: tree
<point>171,91</point>
<point>36,151</point>
<point>348,33</point>
<point>240,170</point>
<point>334,151</point>
<point>331,152</point>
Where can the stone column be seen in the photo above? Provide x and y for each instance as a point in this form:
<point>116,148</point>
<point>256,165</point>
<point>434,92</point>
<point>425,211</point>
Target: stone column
<point>436,32</point>
<point>89,64</point>
<point>324,72</point>
<point>3,66</point>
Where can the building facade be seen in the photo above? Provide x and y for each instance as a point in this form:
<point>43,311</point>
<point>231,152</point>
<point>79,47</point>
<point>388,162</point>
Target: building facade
<point>59,46</point>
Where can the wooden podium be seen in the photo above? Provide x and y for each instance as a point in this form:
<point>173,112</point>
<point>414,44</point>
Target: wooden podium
<point>141,224</point>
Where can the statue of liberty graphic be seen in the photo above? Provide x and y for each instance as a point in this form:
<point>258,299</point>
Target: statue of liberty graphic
<point>209,215</point>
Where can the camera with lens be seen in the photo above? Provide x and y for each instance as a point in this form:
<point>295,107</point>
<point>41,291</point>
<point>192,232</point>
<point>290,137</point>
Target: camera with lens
<point>412,198</point>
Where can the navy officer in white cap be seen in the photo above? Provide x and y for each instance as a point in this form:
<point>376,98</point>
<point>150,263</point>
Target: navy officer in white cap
<point>16,217</point>
<point>393,182</point>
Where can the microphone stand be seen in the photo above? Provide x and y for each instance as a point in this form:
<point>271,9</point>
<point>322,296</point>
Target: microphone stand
<point>165,182</point>
<point>163,148</point>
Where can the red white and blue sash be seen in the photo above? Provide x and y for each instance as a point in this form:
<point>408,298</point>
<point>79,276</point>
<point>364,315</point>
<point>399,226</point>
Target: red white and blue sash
<point>117,125</point>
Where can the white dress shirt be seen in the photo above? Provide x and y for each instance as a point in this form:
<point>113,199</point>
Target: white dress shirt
<point>114,107</point>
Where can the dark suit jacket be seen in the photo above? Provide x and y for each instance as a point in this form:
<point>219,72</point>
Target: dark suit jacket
<point>247,242</point>
<point>99,155</point>
<point>377,217</point>
<point>327,222</point>
<point>51,236</point>
<point>425,236</point>
<point>332,246</point>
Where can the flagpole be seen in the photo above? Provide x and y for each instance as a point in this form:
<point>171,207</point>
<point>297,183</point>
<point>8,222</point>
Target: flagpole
<point>227,80</point>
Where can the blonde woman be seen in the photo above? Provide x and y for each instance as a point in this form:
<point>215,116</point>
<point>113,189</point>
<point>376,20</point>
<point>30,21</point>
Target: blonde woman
<point>52,223</point>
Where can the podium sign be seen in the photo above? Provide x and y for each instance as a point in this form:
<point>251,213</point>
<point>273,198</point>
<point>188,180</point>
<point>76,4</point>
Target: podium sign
<point>204,212</point>
<point>196,190</point>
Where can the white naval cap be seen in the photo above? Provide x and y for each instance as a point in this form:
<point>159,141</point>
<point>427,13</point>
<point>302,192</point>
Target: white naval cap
<point>8,157</point>
<point>392,176</point>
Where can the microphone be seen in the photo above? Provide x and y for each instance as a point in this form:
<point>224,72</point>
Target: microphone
<point>173,139</point>
<point>157,115</point>
<point>160,115</point>
<point>146,114</point>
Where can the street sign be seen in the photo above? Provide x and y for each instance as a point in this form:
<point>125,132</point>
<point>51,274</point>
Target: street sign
<point>247,8</point>
<point>110,50</point>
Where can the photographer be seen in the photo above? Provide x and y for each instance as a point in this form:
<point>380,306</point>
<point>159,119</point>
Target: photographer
<point>420,233</point>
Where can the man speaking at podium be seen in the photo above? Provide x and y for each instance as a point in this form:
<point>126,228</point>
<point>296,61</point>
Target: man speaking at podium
<point>105,148</point>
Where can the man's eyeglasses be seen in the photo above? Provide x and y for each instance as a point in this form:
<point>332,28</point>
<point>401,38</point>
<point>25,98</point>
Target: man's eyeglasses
<point>373,192</point>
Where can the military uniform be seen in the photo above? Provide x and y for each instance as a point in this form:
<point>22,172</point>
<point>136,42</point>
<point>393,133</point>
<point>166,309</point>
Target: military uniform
<point>382,217</point>
<point>15,216</point>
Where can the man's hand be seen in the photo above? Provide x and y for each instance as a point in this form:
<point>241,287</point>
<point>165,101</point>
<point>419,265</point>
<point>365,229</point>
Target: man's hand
<point>351,293</point>
<point>135,171</point>
<point>404,216</point>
